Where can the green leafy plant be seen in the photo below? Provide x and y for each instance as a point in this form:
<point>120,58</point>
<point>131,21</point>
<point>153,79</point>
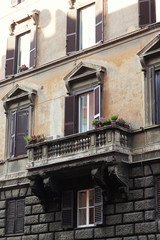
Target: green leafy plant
<point>95,122</point>
<point>114,117</point>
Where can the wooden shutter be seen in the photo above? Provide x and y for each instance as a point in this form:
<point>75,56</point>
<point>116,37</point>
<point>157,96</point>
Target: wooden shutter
<point>13,134</point>
<point>99,20</point>
<point>157,97</point>
<point>152,79</point>
<point>157,196</point>
<point>21,131</point>
<point>19,227</point>
<point>71,37</point>
<point>98,198</point>
<point>10,57</point>
<point>10,217</point>
<point>97,102</point>
<point>67,209</point>
<point>70,115</point>
<point>33,46</point>
<point>146,12</point>
<point>14,2</point>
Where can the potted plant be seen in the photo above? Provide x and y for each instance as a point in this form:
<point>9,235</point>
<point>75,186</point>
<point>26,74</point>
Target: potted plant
<point>113,119</point>
<point>95,123</point>
<point>35,139</point>
<point>120,122</point>
<point>22,68</point>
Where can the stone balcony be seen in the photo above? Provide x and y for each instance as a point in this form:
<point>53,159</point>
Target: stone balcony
<point>106,142</point>
<point>91,144</point>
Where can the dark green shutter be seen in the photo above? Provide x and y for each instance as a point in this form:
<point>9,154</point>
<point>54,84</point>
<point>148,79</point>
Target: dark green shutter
<point>99,20</point>
<point>11,217</point>
<point>33,46</point>
<point>67,209</point>
<point>70,125</point>
<point>13,134</point>
<point>158,196</point>
<point>19,227</point>
<point>98,199</point>
<point>71,37</point>
<point>10,57</point>
<point>21,131</point>
<point>146,12</point>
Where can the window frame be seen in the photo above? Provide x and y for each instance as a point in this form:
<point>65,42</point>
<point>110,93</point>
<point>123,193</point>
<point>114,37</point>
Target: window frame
<point>87,208</point>
<point>80,32</point>
<point>17,58</point>
<point>18,98</point>
<point>70,208</point>
<point>88,110</point>
<point>18,28</point>
<point>73,31</point>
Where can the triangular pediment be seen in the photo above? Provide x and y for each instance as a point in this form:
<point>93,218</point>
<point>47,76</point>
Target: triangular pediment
<point>83,69</point>
<point>150,48</point>
<point>17,92</point>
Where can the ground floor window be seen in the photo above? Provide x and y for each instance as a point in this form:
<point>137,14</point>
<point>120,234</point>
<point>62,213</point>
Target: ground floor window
<point>15,216</point>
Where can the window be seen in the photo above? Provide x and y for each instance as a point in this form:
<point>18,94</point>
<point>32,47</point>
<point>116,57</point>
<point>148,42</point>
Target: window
<point>81,109</point>
<point>84,26</point>
<point>88,205</point>
<point>86,111</point>
<point>84,103</point>
<point>15,216</point>
<point>85,209</point>
<point>23,53</point>
<point>22,44</point>
<point>87,27</point>
<point>19,129</point>
<point>148,12</point>
<point>19,108</point>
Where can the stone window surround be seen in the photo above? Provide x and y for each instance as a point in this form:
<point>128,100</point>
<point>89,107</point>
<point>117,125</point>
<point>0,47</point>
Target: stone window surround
<point>13,103</point>
<point>149,62</point>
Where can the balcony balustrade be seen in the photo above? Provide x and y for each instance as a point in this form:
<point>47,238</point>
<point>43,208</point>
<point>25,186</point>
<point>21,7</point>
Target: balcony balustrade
<point>82,145</point>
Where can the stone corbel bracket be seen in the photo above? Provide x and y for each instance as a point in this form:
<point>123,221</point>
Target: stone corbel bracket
<point>112,176</point>
<point>45,188</point>
<point>34,15</point>
<point>118,173</point>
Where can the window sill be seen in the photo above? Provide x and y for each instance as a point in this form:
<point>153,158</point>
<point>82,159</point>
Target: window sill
<point>18,157</point>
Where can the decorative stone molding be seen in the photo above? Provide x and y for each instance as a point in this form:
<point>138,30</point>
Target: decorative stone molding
<point>112,175</point>
<point>34,15</point>
<point>83,76</point>
<point>18,93</point>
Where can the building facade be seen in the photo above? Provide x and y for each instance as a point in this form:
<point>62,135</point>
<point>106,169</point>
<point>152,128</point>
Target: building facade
<point>63,65</point>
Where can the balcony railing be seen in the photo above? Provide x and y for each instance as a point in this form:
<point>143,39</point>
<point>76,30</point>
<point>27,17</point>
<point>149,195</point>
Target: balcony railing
<point>91,143</point>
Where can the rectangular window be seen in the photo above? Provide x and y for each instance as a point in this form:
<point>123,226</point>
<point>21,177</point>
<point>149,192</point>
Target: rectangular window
<point>86,111</point>
<point>23,50</point>
<point>84,27</point>
<point>19,129</point>
<point>85,210</point>
<point>15,216</point>
<point>88,205</point>
<point>87,27</point>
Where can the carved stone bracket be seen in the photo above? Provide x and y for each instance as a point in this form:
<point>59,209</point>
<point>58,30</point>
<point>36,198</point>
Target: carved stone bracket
<point>34,15</point>
<point>112,176</point>
<point>46,189</point>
